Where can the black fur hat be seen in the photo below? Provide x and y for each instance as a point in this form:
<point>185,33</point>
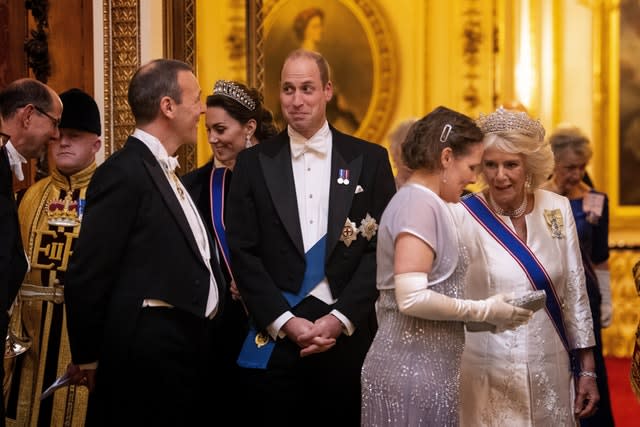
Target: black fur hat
<point>80,111</point>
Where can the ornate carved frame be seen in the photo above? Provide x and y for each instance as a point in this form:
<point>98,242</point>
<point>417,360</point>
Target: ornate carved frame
<point>122,56</point>
<point>383,51</point>
<point>606,81</point>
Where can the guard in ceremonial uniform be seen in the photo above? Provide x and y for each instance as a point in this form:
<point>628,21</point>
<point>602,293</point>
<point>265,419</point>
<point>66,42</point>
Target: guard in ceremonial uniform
<point>50,218</point>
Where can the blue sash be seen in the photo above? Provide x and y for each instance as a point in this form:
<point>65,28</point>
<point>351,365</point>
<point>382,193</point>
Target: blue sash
<point>524,257</point>
<point>216,184</point>
<point>257,347</point>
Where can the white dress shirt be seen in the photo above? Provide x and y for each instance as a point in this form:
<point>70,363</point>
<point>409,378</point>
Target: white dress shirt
<point>311,163</point>
<point>15,161</point>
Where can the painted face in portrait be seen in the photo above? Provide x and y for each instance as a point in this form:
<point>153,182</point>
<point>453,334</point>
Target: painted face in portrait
<point>459,172</point>
<point>569,171</point>
<point>313,32</point>
<point>226,135</point>
<point>74,150</point>
<point>188,111</point>
<point>505,175</point>
<point>303,97</point>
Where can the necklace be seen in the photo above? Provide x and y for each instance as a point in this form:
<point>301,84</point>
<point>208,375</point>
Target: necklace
<point>516,213</point>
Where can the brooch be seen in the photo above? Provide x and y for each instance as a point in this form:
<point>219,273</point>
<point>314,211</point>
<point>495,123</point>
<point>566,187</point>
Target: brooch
<point>349,232</point>
<point>368,227</point>
<point>554,223</point>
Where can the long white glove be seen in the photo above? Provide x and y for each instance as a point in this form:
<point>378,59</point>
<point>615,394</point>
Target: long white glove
<point>415,299</point>
<point>606,308</point>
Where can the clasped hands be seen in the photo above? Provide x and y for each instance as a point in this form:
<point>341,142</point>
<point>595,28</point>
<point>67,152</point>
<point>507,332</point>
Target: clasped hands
<point>313,337</point>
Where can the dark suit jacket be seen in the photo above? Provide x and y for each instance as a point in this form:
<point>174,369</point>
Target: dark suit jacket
<point>135,243</point>
<point>13,264</point>
<point>265,235</point>
<point>233,325</point>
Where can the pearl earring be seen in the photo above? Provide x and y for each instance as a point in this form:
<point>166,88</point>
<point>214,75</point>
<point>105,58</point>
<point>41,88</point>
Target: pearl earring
<point>247,141</point>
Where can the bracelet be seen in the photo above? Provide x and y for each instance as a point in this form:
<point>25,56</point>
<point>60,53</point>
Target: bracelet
<point>587,374</point>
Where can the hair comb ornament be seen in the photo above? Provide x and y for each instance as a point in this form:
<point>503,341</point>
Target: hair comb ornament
<point>231,90</point>
<point>502,120</point>
<point>446,130</point>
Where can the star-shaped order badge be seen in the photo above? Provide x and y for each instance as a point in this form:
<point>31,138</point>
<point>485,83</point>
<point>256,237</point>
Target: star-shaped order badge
<point>349,232</point>
<point>368,227</point>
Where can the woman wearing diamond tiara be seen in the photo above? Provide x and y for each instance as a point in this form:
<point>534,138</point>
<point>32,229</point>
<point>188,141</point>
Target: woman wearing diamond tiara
<point>522,238</point>
<point>235,119</point>
<point>411,373</point>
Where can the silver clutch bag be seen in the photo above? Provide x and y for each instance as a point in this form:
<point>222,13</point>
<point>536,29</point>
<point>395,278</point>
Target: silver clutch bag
<point>533,300</point>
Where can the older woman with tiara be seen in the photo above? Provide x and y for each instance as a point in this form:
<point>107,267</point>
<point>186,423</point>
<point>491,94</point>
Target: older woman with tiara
<point>522,241</point>
<point>235,120</point>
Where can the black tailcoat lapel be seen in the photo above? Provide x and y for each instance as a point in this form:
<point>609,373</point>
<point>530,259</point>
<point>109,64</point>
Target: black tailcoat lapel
<point>278,175</point>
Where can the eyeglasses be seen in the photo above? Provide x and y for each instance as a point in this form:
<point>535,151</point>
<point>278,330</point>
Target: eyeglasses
<point>56,122</point>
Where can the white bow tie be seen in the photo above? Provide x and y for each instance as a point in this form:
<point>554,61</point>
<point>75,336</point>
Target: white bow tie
<point>170,163</point>
<point>315,144</point>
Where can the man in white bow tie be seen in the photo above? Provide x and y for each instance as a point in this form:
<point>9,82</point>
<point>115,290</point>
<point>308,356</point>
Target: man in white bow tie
<point>301,224</point>
<point>143,281</point>
<point>30,113</point>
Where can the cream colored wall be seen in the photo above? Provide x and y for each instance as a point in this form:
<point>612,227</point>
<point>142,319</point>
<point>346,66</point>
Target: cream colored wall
<point>410,21</point>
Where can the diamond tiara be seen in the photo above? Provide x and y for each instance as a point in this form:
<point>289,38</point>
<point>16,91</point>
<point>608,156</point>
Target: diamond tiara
<point>501,121</point>
<point>231,90</point>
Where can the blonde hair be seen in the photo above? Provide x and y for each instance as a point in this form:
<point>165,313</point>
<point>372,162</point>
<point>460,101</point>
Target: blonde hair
<point>538,157</point>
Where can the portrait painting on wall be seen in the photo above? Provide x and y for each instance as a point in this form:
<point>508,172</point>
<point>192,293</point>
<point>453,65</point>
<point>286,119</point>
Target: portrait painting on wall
<point>332,30</point>
<point>358,47</point>
<point>629,131</point>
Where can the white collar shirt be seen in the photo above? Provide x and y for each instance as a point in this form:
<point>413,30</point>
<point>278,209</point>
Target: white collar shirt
<point>16,160</point>
<point>196,224</point>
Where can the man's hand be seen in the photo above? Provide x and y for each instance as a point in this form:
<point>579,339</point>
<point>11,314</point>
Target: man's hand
<point>322,336</point>
<point>85,377</point>
<point>235,293</point>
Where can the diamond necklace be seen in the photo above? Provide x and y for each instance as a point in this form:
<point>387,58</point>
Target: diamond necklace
<point>516,213</point>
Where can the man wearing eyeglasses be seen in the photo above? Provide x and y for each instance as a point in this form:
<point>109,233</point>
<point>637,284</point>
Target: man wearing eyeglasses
<point>30,112</point>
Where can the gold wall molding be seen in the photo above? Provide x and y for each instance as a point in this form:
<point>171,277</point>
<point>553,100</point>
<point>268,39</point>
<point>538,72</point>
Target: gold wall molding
<point>121,19</point>
<point>180,43</point>
<point>473,38</point>
<point>619,338</point>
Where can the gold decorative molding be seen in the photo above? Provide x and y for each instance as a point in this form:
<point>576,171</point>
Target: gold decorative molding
<point>121,20</point>
<point>472,39</point>
<point>255,44</point>
<point>619,338</point>
<point>180,43</point>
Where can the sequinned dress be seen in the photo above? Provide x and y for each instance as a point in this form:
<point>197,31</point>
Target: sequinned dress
<point>411,374</point>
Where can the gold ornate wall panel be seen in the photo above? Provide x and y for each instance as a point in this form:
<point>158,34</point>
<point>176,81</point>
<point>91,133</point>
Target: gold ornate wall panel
<point>121,20</point>
<point>618,339</point>
<point>180,43</point>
